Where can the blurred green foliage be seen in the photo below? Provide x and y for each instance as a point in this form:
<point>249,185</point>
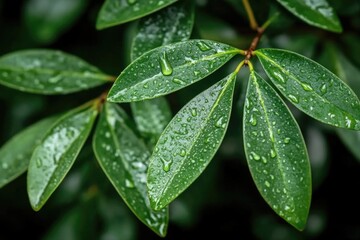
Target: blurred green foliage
<point>223,201</point>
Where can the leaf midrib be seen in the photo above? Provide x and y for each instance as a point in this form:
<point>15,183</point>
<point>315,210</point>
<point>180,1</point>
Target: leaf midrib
<point>49,71</point>
<point>262,103</point>
<point>196,136</point>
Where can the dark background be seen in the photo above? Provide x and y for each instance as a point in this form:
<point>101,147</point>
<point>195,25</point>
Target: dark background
<point>223,202</point>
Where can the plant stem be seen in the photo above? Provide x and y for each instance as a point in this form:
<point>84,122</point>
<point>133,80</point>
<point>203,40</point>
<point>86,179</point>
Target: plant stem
<point>253,45</point>
<point>253,24</point>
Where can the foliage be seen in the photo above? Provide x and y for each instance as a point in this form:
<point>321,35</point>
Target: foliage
<point>154,159</point>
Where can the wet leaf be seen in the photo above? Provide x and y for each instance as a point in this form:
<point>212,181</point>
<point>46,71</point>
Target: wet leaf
<point>344,69</point>
<point>312,88</point>
<point>316,13</point>
<point>189,142</point>
<point>169,25</point>
<point>15,154</point>
<point>124,159</point>
<point>48,72</point>
<point>46,19</point>
<point>151,116</point>
<point>56,153</point>
<point>114,12</point>
<point>276,153</point>
<point>169,68</point>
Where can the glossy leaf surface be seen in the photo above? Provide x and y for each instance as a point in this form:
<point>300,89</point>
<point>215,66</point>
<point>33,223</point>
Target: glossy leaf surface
<point>169,68</point>
<point>172,24</point>
<point>316,13</point>
<point>124,159</point>
<point>189,142</point>
<point>169,25</point>
<point>46,20</point>
<point>15,154</point>
<point>114,12</point>
<point>48,72</point>
<point>151,116</point>
<point>343,68</point>
<point>312,88</point>
<point>56,153</point>
<point>276,153</point>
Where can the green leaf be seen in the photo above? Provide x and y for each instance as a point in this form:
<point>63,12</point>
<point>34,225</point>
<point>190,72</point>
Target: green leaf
<point>16,153</point>
<point>316,13</point>
<point>189,142</point>
<point>172,24</point>
<point>276,153</point>
<point>46,20</point>
<point>312,88</point>
<point>124,159</point>
<point>169,68</point>
<point>114,12</point>
<point>48,72</point>
<point>343,68</point>
<point>151,116</point>
<point>56,153</point>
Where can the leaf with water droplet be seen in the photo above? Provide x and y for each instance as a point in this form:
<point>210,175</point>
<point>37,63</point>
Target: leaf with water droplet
<point>48,72</point>
<point>336,61</point>
<point>57,152</point>
<point>114,12</point>
<point>179,161</point>
<point>129,153</point>
<point>169,25</point>
<point>184,58</point>
<point>330,101</point>
<point>283,159</point>
<point>16,153</point>
<point>47,20</point>
<point>317,13</point>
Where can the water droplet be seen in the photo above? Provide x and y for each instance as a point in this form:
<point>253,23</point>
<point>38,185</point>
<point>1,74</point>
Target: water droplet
<point>203,46</point>
<point>156,150</point>
<point>194,112</point>
<point>279,77</point>
<point>178,81</point>
<point>272,153</point>
<point>39,162</point>
<point>55,79</point>
<point>323,89</point>
<point>131,2</point>
<point>348,122</point>
<point>253,120</point>
<point>146,85</point>
<point>166,164</point>
<point>293,98</point>
<point>307,87</point>
<point>267,184</point>
<point>220,123</point>
<point>255,156</point>
<point>5,166</point>
<point>166,67</point>
<point>286,208</point>
<point>182,153</point>
<point>196,73</point>
<point>287,140</point>
<point>264,160</point>
<point>272,136</point>
<point>129,183</point>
